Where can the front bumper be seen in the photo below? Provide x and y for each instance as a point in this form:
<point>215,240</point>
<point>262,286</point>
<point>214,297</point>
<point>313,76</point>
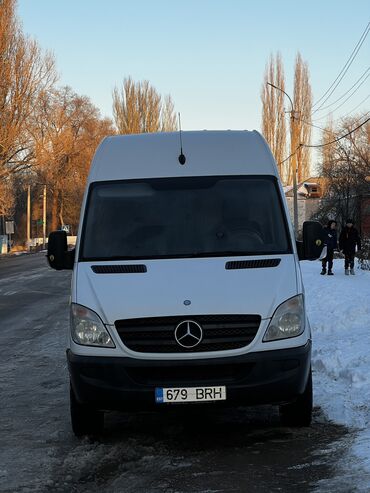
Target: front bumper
<point>268,377</point>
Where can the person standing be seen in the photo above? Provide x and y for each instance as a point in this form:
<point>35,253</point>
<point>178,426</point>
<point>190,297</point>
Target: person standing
<point>349,239</point>
<point>331,243</point>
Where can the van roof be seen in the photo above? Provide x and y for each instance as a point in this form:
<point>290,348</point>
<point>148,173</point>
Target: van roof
<point>155,155</point>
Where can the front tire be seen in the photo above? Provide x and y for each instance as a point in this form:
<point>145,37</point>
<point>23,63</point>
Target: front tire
<point>299,412</point>
<point>85,420</point>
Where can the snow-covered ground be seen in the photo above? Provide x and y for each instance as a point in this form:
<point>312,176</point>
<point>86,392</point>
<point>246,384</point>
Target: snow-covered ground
<point>339,313</point>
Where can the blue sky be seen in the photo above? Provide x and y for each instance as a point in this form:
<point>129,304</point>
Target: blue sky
<point>209,55</point>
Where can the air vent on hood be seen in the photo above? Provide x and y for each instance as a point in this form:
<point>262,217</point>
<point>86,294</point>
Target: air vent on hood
<point>253,264</point>
<point>119,269</point>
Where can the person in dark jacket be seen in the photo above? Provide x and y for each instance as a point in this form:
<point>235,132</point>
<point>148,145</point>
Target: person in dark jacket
<point>348,240</point>
<point>329,239</point>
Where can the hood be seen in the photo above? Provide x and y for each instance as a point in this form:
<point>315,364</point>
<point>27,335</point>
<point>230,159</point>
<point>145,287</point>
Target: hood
<point>166,284</point>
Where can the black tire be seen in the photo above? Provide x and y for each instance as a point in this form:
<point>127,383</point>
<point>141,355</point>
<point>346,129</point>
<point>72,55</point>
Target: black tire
<point>85,420</point>
<point>299,412</point>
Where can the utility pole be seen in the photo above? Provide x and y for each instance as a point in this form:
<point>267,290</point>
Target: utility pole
<point>44,219</point>
<point>293,167</point>
<point>293,158</point>
<point>29,217</point>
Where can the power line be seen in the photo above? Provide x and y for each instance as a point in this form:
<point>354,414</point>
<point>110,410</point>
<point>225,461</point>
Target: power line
<point>350,89</point>
<point>344,70</point>
<point>312,125</point>
<point>330,132</point>
<point>341,104</point>
<point>355,108</point>
<point>291,155</point>
<point>339,138</point>
<point>327,143</point>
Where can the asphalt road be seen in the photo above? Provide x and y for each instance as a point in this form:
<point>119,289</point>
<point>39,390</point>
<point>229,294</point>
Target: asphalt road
<point>243,450</point>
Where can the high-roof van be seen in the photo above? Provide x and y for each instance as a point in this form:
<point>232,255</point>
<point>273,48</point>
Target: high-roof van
<point>186,286</point>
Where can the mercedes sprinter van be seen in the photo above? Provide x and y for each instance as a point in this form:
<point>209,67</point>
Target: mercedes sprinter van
<point>186,286</point>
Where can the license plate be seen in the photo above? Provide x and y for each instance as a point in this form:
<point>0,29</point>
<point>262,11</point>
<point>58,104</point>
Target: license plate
<point>189,394</point>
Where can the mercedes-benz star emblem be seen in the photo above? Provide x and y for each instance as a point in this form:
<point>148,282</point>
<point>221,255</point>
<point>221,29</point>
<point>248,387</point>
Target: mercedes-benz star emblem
<point>188,334</point>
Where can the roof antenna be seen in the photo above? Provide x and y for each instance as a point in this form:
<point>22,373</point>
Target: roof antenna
<point>182,158</point>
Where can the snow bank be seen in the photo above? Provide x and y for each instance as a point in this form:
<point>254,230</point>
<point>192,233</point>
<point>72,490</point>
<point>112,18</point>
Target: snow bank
<point>339,313</point>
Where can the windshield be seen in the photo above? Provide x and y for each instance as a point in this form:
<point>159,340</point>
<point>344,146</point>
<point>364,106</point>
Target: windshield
<point>183,217</point>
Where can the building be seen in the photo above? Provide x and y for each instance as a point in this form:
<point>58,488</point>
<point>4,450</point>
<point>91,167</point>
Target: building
<point>309,194</point>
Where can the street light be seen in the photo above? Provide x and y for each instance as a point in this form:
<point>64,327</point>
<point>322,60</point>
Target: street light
<point>292,160</point>
<point>286,94</point>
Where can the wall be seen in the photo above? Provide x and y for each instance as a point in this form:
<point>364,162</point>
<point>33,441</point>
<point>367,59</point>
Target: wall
<point>306,209</point>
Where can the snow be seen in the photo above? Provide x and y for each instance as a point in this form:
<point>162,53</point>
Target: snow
<point>339,313</point>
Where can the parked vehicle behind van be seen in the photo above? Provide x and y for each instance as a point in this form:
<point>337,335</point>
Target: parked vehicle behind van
<point>186,286</point>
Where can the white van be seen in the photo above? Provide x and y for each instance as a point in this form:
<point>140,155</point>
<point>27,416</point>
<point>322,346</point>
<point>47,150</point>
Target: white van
<point>186,283</point>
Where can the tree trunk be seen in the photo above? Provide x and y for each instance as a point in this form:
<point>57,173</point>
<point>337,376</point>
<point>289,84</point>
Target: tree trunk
<point>54,210</point>
<point>61,212</point>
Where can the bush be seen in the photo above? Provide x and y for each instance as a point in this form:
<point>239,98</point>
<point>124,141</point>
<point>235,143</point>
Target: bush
<point>364,254</point>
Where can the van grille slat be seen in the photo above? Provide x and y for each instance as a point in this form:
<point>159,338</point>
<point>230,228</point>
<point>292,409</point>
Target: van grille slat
<point>157,335</point>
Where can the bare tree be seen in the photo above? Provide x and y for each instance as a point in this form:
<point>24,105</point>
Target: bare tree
<point>300,123</point>
<point>139,108</point>
<point>67,129</point>
<point>328,149</point>
<point>7,197</point>
<point>345,165</point>
<point>273,115</point>
<point>126,108</point>
<point>168,115</point>
<point>24,72</point>
<point>149,107</point>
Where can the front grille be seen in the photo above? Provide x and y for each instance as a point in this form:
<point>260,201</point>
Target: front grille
<point>157,335</point>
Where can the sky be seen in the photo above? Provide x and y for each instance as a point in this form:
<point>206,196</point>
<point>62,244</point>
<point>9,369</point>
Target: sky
<point>210,55</point>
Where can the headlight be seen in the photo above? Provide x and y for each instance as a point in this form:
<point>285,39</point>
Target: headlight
<point>288,320</point>
<point>87,328</point>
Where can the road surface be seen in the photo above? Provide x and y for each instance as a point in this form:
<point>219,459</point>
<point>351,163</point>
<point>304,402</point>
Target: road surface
<point>244,450</point>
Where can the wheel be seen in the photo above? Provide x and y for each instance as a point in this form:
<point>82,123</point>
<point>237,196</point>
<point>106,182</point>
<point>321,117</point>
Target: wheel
<point>85,420</point>
<point>299,412</point>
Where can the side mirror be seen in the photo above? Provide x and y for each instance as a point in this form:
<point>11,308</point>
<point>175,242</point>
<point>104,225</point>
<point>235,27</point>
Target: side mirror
<point>59,257</point>
<point>312,241</point>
